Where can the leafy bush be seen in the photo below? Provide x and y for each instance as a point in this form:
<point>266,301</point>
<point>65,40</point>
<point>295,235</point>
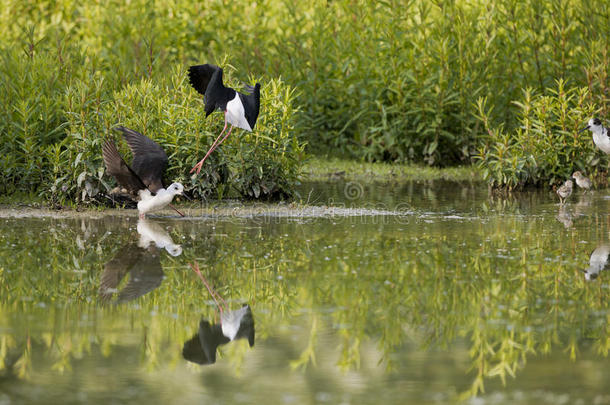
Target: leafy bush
<point>547,147</point>
<point>398,80</point>
<point>55,120</point>
<point>262,164</point>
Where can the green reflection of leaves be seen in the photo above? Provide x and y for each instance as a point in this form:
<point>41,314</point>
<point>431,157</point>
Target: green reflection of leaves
<point>506,287</point>
<point>308,355</point>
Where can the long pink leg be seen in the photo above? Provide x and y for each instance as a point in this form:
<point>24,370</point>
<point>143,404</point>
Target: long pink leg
<point>223,139</point>
<point>213,293</point>
<point>199,165</point>
<point>176,209</point>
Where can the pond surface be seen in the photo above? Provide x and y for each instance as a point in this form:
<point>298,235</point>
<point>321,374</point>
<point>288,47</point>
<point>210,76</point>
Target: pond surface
<point>451,295</point>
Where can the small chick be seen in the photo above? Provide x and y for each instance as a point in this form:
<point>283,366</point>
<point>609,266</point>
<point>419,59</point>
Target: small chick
<point>582,181</point>
<point>565,191</point>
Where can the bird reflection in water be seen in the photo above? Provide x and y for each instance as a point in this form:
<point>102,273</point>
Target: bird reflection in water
<point>597,262</point>
<point>564,216</point>
<point>233,325</point>
<point>142,260</point>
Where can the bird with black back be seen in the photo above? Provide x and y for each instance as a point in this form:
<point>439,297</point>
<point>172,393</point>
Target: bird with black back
<point>240,109</point>
<point>143,180</point>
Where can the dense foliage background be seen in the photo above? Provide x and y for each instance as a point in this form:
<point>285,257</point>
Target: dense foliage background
<point>374,80</point>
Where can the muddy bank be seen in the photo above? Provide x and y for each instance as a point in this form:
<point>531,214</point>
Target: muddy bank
<point>205,212</point>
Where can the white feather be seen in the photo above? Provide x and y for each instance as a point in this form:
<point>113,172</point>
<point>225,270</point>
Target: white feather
<point>600,136</point>
<point>230,321</point>
<point>149,203</point>
<point>602,141</point>
<point>236,115</point>
<point>597,261</point>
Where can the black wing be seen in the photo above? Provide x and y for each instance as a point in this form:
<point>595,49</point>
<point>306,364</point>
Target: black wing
<point>116,167</point>
<point>200,76</point>
<point>145,276</point>
<point>117,268</point>
<point>207,80</point>
<point>149,158</point>
<point>246,327</point>
<point>201,348</point>
<point>252,103</point>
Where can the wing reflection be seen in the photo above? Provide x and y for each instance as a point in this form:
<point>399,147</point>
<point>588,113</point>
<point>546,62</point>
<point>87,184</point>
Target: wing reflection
<point>234,325</point>
<point>141,260</point>
<point>597,262</point>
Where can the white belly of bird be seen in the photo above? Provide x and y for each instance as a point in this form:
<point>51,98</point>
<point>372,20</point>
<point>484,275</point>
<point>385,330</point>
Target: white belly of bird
<point>602,141</point>
<point>236,115</point>
<point>150,203</point>
<point>230,321</point>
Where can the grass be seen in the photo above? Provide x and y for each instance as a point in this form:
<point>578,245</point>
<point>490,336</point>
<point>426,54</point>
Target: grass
<point>324,168</point>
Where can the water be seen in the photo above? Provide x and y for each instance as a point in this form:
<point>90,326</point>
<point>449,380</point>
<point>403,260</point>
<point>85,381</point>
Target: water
<point>451,296</point>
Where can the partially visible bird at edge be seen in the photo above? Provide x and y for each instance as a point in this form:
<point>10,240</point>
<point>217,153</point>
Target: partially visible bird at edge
<point>144,178</point>
<point>240,110</point>
<point>600,134</point>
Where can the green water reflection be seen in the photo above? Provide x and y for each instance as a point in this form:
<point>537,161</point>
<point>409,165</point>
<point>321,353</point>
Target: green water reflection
<point>465,296</point>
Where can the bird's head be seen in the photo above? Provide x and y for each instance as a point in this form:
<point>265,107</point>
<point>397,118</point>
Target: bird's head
<point>590,275</point>
<point>576,175</point>
<point>176,188</point>
<point>174,250</point>
<point>594,125</point>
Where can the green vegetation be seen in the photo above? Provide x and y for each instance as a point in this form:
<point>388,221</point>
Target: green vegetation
<point>389,80</point>
<point>67,81</point>
<point>327,168</point>
<point>547,147</point>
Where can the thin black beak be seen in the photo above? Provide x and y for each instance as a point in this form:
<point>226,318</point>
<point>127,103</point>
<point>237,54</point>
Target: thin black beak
<point>584,129</point>
<point>186,196</point>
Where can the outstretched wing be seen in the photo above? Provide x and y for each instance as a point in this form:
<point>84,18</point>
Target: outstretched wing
<point>116,167</point>
<point>116,268</point>
<point>149,158</point>
<point>207,80</point>
<point>145,275</point>
<point>200,76</point>
<point>201,348</point>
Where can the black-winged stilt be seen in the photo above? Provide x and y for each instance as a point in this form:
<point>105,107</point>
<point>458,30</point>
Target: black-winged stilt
<point>582,181</point>
<point>142,263</point>
<point>564,191</point>
<point>240,110</point>
<point>600,134</point>
<point>201,348</point>
<point>145,176</point>
<point>233,325</point>
<point>597,262</point>
<point>152,233</point>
